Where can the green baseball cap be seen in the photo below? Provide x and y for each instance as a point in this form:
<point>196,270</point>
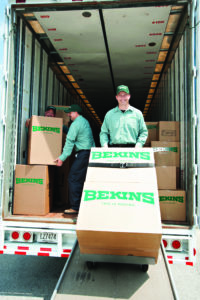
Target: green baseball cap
<point>73,107</point>
<point>122,88</point>
<point>51,107</point>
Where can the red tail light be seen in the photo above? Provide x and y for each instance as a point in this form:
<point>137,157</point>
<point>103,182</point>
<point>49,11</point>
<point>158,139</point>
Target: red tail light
<point>165,243</point>
<point>176,244</point>
<point>26,236</point>
<point>15,235</point>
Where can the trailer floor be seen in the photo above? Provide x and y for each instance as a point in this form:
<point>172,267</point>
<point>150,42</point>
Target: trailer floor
<point>114,281</point>
<point>56,215</point>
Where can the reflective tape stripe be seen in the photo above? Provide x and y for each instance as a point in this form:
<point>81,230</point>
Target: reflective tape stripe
<point>65,255</point>
<point>20,252</point>
<point>43,254</point>
<point>22,248</point>
<point>46,249</point>
<point>189,263</point>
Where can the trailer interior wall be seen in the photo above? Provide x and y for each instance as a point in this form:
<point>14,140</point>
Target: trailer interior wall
<point>176,100</point>
<point>36,86</point>
<point>196,35</point>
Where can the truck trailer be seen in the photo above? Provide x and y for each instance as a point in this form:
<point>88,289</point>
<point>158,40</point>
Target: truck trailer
<point>77,52</point>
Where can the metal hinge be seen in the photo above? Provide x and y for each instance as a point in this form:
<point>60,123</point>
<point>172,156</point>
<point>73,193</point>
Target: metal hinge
<point>194,72</point>
<point>195,170</point>
<point>195,120</point>
<point>1,170</point>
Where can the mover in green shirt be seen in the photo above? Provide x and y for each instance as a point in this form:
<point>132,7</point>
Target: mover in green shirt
<point>80,139</point>
<point>124,125</point>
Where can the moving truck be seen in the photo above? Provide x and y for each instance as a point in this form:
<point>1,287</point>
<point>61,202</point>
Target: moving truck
<point>65,52</point>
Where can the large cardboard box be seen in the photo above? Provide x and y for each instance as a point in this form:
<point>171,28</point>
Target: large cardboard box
<point>61,114</point>
<point>118,176</point>
<point>152,133</point>
<point>119,219</point>
<point>172,205</point>
<point>32,190</point>
<point>45,140</point>
<point>166,153</point>
<point>169,131</point>
<point>120,157</point>
<point>166,177</point>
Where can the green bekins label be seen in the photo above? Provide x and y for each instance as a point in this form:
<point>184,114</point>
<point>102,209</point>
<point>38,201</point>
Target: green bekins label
<point>111,195</point>
<point>167,149</point>
<point>45,128</point>
<point>151,126</point>
<point>134,155</point>
<point>29,180</point>
<point>172,198</point>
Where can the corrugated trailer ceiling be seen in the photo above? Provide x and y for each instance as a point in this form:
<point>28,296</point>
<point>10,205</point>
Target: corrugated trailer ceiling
<point>105,48</point>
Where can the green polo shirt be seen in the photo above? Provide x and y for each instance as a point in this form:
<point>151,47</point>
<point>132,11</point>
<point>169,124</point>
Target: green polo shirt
<point>123,127</point>
<point>79,137</point>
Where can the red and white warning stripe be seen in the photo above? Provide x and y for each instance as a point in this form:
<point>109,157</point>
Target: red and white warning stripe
<point>42,251</point>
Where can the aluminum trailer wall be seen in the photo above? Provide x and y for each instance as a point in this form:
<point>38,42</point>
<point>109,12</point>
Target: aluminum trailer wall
<point>174,101</point>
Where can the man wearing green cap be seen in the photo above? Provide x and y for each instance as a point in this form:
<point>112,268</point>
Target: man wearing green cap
<point>124,125</point>
<point>80,139</point>
<point>49,112</point>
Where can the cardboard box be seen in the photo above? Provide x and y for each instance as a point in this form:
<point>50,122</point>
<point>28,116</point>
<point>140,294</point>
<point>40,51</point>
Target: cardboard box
<point>61,114</point>
<point>152,132</point>
<point>166,153</point>
<point>172,205</point>
<point>45,140</point>
<point>117,175</point>
<point>32,190</point>
<point>166,178</point>
<point>116,157</point>
<point>119,219</point>
<point>169,131</point>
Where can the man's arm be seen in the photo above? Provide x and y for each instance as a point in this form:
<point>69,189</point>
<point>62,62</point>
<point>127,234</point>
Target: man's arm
<point>104,134</point>
<point>68,147</point>
<point>143,133</point>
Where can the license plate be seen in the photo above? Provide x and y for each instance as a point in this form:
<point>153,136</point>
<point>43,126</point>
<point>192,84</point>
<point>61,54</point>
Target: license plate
<point>49,237</point>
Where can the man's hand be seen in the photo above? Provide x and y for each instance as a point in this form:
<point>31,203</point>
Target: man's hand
<point>27,123</point>
<point>58,162</point>
<point>105,145</point>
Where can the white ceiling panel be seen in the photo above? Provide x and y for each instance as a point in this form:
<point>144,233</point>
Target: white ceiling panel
<point>130,32</point>
<point>80,43</point>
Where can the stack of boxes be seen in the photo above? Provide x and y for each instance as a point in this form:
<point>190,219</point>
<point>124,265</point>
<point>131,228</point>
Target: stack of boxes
<point>34,182</point>
<point>119,212</point>
<point>166,148</point>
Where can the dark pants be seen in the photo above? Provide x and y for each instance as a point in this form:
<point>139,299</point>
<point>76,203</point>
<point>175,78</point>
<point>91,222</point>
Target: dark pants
<point>76,178</point>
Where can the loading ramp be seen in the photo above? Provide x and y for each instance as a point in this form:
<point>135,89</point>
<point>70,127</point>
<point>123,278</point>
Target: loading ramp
<point>107,281</point>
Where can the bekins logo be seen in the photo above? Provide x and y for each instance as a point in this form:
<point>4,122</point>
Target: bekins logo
<point>112,195</point>
<point>134,155</point>
<point>172,198</point>
<point>29,180</point>
<point>45,128</point>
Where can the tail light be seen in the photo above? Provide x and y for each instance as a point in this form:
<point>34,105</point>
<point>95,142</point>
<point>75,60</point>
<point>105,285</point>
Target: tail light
<point>20,236</point>
<point>27,236</point>
<point>165,243</point>
<point>176,244</point>
<point>15,235</point>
